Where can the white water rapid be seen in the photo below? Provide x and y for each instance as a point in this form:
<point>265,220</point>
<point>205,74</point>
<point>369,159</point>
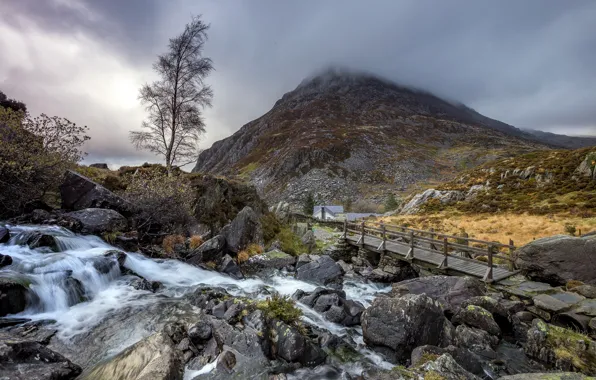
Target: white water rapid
<point>81,287</point>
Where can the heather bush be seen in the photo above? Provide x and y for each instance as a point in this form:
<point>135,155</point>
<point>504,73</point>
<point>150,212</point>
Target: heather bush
<point>165,203</point>
<point>34,154</point>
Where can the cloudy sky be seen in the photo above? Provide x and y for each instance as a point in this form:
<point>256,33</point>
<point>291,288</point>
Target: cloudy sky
<point>529,63</point>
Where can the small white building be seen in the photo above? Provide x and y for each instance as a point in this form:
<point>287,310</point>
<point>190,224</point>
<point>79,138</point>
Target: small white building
<point>328,212</point>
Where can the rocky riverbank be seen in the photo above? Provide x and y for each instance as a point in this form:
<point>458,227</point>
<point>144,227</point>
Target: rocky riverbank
<point>73,305</point>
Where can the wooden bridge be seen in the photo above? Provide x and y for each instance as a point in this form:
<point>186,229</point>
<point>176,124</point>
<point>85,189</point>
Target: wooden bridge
<point>448,254</point>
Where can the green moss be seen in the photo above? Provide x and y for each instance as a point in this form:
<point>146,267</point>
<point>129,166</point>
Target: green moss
<point>480,310</point>
<point>426,357</point>
<point>290,242</point>
<point>433,375</point>
<point>569,346</point>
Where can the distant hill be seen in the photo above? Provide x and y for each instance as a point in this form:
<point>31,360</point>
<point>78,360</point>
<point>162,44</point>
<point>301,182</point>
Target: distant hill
<point>351,135</point>
<point>540,182</point>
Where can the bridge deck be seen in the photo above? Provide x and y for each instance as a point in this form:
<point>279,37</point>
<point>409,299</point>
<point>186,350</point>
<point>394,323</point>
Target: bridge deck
<point>432,258</point>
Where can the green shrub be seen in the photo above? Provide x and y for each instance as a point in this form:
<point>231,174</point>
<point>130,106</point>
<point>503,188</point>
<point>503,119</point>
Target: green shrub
<point>34,154</point>
<point>282,308</point>
<point>290,242</point>
<point>164,202</point>
<point>271,227</point>
<point>570,229</point>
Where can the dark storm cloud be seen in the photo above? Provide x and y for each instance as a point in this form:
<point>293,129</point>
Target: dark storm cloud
<point>528,63</point>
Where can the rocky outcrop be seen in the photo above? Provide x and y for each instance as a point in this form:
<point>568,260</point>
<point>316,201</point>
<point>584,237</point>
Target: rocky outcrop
<point>268,261</point>
<point>219,200</point>
<point>79,192</point>
<point>322,271</point>
<point>449,291</point>
<point>155,357</point>
<point>558,259</point>
<point>244,230</point>
<point>211,250</point>
<point>23,359</point>
<point>332,304</point>
<point>98,220</point>
<point>395,326</point>
<point>562,348</point>
<point>588,167</point>
<point>445,197</point>
<point>290,345</point>
<point>13,296</point>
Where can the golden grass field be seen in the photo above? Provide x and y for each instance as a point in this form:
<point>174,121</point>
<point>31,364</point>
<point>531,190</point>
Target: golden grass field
<point>501,227</point>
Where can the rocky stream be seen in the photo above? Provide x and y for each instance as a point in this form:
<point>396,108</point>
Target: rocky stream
<point>75,306</point>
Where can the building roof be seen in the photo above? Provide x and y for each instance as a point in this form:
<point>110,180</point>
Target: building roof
<point>331,209</point>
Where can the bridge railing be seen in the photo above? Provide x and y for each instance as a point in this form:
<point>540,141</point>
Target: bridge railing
<point>469,249</point>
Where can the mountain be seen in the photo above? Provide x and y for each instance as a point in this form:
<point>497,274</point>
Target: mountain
<point>570,142</point>
<point>351,135</point>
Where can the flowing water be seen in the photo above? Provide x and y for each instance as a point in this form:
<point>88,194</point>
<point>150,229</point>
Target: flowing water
<point>84,294</point>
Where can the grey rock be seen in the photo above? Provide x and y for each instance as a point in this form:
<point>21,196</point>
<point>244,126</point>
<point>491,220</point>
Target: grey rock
<point>4,235</point>
<point>22,359</point>
<point>270,260</point>
<point>302,259</point>
<point>309,241</point>
<point>445,197</point>
<point>228,266</point>
<point>475,316</point>
<point>246,341</point>
<point>13,296</point>
<point>586,168</point>
<point>447,368</point>
<point>475,340</point>
<point>5,260</point>
<point>293,347</point>
<point>200,332</point>
<point>98,220</point>
<point>154,357</point>
<point>244,230</point>
<point>79,192</point>
<point>449,291</point>
<point>550,304</point>
<point>558,259</point>
<point>322,271</point>
<point>588,291</point>
<point>211,250</point>
<point>395,326</point>
<point>397,274</point>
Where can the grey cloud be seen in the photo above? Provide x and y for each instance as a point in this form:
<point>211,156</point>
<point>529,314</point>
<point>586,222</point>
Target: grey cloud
<point>528,63</point>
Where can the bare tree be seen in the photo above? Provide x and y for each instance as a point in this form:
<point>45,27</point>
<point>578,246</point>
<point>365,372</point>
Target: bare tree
<point>175,102</point>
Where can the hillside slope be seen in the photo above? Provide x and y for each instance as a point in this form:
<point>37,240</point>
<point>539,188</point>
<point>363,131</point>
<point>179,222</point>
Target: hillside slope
<point>349,135</point>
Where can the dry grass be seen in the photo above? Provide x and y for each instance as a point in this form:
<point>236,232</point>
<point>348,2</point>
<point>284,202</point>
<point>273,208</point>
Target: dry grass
<point>170,242</point>
<point>195,242</point>
<point>250,251</point>
<point>522,229</point>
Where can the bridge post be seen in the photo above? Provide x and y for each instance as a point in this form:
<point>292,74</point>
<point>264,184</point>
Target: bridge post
<point>345,234</point>
<point>432,236</point>
<point>488,277</point>
<point>361,240</point>
<point>410,255</point>
<point>444,264</point>
<point>383,246</point>
<point>511,249</point>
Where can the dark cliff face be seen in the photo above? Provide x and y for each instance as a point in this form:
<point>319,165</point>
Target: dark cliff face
<point>343,135</point>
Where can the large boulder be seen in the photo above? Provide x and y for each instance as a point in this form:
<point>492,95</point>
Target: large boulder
<point>5,260</point>
<point>322,271</point>
<point>587,167</point>
<point>445,197</point>
<point>268,261</point>
<point>395,326</point>
<point>290,345</point>
<point>22,359</point>
<point>79,192</point>
<point>13,296</point>
<point>558,259</point>
<point>332,304</point>
<point>449,291</point>
<point>98,220</point>
<point>211,250</point>
<point>228,266</point>
<point>476,316</point>
<point>155,357</point>
<point>244,230</point>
